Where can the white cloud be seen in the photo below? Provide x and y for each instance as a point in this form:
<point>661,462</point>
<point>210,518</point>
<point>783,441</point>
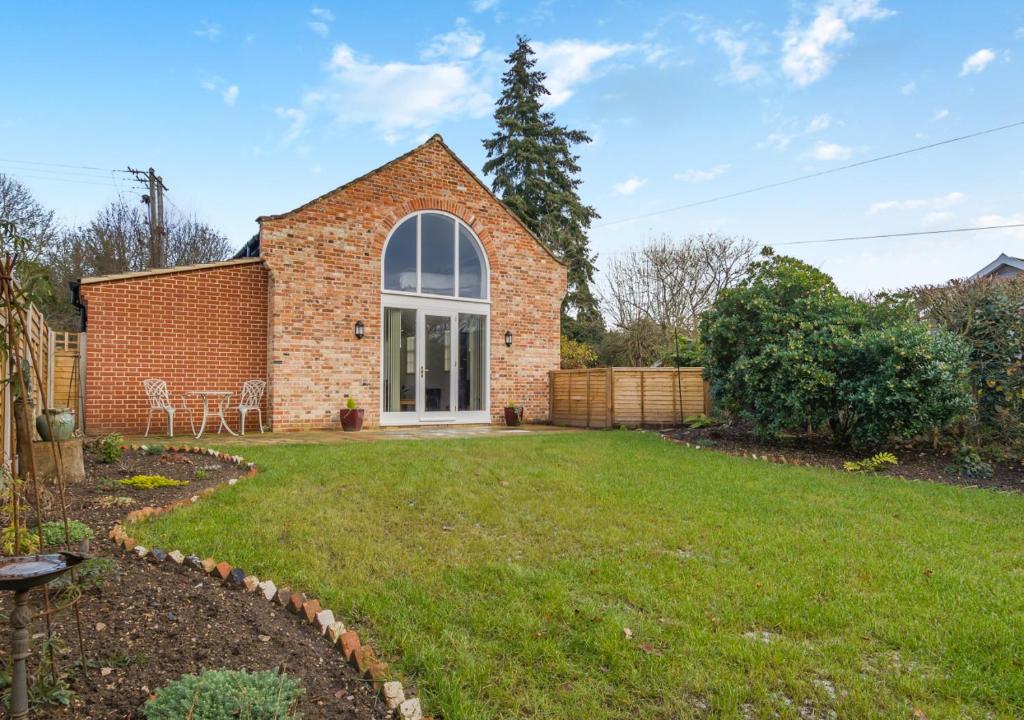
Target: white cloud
<point>462,43</point>
<point>395,97</point>
<point>808,51</point>
<point>1018,34</point>
<point>297,117</point>
<point>937,218</point>
<point>909,88</point>
<point>698,176</point>
<point>778,141</point>
<point>830,151</point>
<point>937,203</point>
<point>568,63</point>
<point>629,185</point>
<point>230,94</point>
<point>977,62</point>
<point>1016,218</point>
<point>740,70</point>
<point>210,31</point>
<point>941,114</point>
<point>483,5</point>
<point>321,24</point>
<point>819,123</point>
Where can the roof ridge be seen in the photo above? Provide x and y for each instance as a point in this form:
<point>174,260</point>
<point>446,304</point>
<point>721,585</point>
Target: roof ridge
<point>435,138</point>
<point>168,270</point>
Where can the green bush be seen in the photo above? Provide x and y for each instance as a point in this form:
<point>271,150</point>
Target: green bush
<point>225,695</point>
<point>787,351</point>
<point>153,449</point>
<point>970,464</point>
<point>576,355</point>
<point>110,448</point>
<point>987,315</point>
<point>53,533</point>
<point>151,482</point>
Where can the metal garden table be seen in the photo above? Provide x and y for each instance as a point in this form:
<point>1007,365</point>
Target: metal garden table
<point>222,398</point>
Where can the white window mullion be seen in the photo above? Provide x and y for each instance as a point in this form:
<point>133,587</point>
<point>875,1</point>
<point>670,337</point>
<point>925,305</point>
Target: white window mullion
<point>419,254</point>
<point>455,274</point>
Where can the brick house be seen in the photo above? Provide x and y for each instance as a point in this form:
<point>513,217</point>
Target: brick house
<point>411,289</point>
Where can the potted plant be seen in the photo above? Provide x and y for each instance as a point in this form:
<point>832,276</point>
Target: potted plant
<point>61,420</point>
<point>513,414</point>
<point>351,416</point>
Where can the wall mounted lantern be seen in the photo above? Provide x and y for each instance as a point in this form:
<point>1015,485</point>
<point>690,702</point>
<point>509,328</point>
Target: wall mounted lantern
<point>359,329</point>
<point>508,338</point>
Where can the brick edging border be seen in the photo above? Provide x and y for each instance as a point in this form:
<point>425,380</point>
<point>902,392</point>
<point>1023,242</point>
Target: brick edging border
<point>361,657</point>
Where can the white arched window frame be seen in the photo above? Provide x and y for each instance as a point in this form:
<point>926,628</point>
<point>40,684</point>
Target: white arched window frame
<point>418,292</point>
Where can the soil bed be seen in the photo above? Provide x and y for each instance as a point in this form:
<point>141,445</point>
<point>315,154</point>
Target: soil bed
<point>146,624</point>
<point>917,463</point>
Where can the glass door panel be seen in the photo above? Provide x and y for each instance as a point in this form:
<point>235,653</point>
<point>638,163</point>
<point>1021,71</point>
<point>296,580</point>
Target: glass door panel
<point>472,365</point>
<point>400,365</point>
<point>437,364</point>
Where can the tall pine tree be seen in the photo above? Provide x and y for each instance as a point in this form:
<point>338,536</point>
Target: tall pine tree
<point>536,174</point>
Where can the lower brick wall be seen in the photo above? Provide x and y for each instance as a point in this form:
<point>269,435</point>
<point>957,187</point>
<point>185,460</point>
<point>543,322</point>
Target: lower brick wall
<point>202,329</point>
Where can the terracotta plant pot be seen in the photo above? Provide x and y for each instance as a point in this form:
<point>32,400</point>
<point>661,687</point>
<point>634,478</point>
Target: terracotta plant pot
<point>514,416</point>
<point>62,421</point>
<point>351,420</point>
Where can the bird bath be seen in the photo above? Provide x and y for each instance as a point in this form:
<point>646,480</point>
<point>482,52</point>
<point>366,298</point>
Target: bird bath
<point>20,574</point>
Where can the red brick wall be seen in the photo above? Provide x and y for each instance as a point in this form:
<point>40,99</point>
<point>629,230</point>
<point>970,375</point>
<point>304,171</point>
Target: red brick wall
<point>202,329</point>
<point>325,262</point>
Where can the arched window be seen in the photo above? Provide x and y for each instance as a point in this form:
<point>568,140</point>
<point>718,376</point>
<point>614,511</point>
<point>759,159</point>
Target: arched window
<point>431,253</point>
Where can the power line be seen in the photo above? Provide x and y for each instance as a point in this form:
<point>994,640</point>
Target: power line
<point>59,173</point>
<point>61,165</point>
<point>898,235</point>
<point>820,173</point>
<point>60,179</point>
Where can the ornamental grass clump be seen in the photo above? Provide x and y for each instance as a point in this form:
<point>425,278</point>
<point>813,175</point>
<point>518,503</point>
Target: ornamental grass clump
<point>226,695</point>
<point>151,482</point>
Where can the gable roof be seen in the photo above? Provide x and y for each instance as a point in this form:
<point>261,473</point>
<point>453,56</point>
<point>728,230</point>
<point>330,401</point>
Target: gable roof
<point>435,138</point>
<point>1002,260</point>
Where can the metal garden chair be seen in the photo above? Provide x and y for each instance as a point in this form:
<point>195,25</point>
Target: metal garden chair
<point>252,394</point>
<point>160,401</point>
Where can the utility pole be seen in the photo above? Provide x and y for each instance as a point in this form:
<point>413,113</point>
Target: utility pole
<point>154,199</point>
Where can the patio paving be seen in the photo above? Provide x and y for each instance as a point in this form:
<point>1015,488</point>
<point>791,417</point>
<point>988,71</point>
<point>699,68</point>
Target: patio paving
<point>316,437</point>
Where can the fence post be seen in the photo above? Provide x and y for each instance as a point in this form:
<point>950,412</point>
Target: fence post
<point>551,397</point>
<point>589,373</point>
<point>51,362</point>
<point>643,398</point>
<point>609,405</point>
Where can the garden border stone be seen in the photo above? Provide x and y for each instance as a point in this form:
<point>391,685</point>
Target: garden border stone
<point>320,620</point>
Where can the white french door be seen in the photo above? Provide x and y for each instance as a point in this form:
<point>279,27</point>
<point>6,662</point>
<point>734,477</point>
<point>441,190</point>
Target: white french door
<point>435,362</point>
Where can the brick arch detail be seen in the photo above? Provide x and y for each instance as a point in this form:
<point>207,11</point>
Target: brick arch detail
<point>422,204</point>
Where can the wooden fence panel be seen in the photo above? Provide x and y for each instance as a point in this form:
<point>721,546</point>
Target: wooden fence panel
<point>41,340</point>
<point>67,376</point>
<point>634,397</point>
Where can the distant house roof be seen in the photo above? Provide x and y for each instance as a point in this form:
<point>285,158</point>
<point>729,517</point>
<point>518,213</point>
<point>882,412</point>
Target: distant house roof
<point>1002,265</point>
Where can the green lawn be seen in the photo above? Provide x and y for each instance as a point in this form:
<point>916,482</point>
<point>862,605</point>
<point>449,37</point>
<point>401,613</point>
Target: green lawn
<point>501,574</point>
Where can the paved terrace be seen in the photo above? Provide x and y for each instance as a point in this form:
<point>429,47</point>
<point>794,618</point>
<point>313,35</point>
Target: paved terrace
<point>316,437</point>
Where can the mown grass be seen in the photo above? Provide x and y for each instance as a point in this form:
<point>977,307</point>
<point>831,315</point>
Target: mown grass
<point>502,572</point>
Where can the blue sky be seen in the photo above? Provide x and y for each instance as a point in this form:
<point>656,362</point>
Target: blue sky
<point>254,108</point>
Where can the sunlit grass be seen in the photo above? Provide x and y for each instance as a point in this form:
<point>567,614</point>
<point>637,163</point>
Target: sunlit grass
<point>501,573</point>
